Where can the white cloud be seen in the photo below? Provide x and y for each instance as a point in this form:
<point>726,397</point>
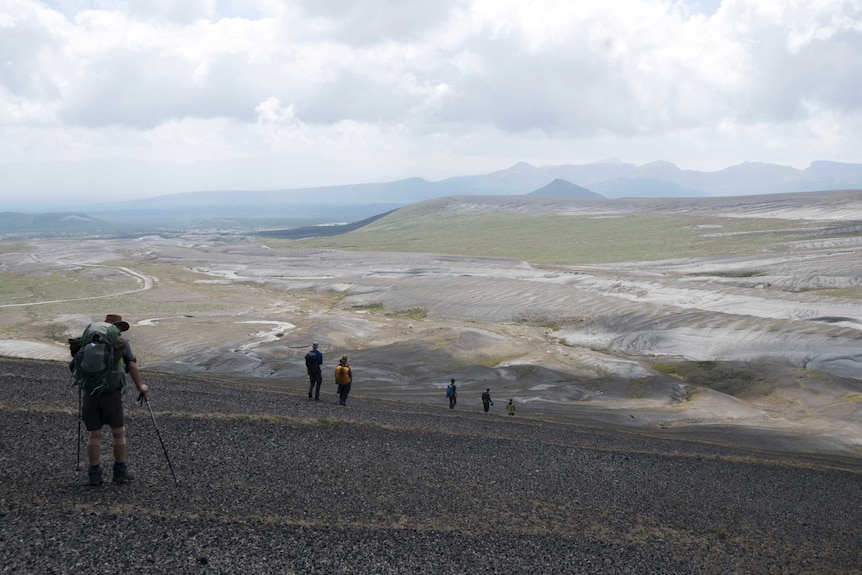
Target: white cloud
<point>376,88</point>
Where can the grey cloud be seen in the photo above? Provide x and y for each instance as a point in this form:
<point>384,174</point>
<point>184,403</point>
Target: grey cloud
<point>174,11</point>
<point>828,74</point>
<point>27,53</point>
<point>67,7</point>
<point>578,90</point>
<point>569,90</point>
<point>184,12</point>
<point>143,89</point>
<point>353,96</point>
<point>577,87</point>
<point>362,22</point>
<point>783,84</point>
<point>837,75</point>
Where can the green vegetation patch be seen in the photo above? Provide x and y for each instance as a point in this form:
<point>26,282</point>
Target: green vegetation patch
<point>414,313</point>
<point>21,288</point>
<point>568,239</point>
<point>376,306</point>
<point>665,368</point>
<point>850,292</point>
<point>737,379</point>
<point>540,322</point>
<point>13,248</point>
<point>731,274</point>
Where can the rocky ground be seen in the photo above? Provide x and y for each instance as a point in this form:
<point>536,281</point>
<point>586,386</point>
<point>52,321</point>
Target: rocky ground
<point>270,482</point>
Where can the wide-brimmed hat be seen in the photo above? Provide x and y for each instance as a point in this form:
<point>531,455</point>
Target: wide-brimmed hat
<point>117,320</point>
<point>344,358</point>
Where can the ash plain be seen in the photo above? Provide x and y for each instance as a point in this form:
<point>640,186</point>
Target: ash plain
<point>712,347</point>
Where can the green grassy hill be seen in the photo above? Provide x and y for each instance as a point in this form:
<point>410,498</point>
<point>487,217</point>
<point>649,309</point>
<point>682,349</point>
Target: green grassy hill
<point>573,232</point>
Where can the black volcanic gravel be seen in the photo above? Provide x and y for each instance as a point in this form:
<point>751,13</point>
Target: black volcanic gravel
<point>270,482</point>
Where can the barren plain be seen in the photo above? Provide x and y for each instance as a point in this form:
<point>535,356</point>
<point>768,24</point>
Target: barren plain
<point>687,376</point>
<point>715,319</point>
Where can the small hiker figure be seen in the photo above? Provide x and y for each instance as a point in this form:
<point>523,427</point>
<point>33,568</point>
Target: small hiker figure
<point>486,400</point>
<point>313,363</point>
<point>102,358</point>
<point>344,379</point>
<point>452,394</point>
<point>510,407</point>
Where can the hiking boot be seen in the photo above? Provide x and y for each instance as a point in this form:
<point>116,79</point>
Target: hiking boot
<point>94,473</point>
<point>121,474</point>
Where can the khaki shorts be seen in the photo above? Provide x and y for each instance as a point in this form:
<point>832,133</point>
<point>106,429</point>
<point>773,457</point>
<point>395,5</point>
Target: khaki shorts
<point>101,410</point>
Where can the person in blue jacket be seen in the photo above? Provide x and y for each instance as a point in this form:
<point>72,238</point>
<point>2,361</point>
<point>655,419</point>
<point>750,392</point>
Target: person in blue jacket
<point>452,394</point>
<point>313,364</point>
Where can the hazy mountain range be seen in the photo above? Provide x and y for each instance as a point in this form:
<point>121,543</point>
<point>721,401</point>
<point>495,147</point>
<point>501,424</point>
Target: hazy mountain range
<point>610,179</point>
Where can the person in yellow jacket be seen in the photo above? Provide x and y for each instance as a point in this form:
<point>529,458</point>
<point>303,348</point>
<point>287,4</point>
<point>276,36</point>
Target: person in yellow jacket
<point>344,379</point>
<point>510,407</point>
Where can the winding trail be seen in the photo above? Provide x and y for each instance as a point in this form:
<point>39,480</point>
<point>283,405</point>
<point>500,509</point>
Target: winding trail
<point>146,282</point>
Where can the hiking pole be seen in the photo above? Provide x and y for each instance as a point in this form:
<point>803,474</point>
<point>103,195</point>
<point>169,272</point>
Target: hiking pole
<point>143,399</point>
<point>80,417</point>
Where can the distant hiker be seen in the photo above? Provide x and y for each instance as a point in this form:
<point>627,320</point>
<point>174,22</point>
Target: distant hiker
<point>452,394</point>
<point>313,363</point>
<point>344,379</point>
<point>486,400</point>
<point>510,407</point>
<point>102,358</point>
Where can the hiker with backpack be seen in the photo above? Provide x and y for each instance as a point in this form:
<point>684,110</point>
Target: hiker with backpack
<point>313,364</point>
<point>452,394</point>
<point>101,360</point>
<point>344,379</point>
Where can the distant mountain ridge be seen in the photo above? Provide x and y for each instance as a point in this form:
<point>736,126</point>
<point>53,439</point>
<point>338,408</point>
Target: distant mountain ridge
<point>60,222</point>
<point>610,179</point>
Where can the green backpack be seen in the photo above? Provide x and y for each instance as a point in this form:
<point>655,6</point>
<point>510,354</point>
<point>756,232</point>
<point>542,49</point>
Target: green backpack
<point>97,366</point>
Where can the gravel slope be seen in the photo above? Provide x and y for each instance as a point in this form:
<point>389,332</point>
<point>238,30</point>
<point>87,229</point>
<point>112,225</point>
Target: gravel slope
<point>270,482</point>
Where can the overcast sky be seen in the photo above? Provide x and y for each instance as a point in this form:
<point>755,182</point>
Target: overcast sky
<point>147,97</point>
